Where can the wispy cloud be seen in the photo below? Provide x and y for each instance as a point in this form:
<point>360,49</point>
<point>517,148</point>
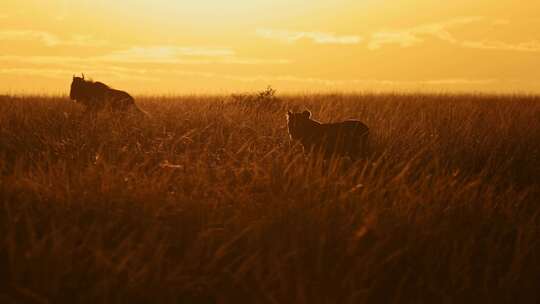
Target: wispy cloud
<point>63,73</point>
<point>154,74</point>
<point>403,39</point>
<point>164,54</point>
<point>500,22</point>
<point>531,46</point>
<point>316,37</point>
<point>157,54</point>
<point>183,55</point>
<point>416,35</point>
<point>43,37</point>
<point>366,82</point>
<point>160,52</point>
<point>84,41</point>
<point>49,39</point>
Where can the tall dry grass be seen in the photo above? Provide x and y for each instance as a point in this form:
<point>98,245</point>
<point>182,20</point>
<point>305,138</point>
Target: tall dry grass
<point>207,201</point>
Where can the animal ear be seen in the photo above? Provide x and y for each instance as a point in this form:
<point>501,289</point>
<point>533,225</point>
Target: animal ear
<point>306,114</point>
<point>82,75</point>
<point>289,113</point>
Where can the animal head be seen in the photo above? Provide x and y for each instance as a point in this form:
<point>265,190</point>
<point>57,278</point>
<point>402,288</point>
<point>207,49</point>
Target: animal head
<point>78,85</point>
<point>83,90</point>
<point>298,123</point>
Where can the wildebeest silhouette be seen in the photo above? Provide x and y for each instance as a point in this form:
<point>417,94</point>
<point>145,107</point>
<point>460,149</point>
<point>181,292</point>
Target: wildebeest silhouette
<point>347,138</point>
<point>96,96</point>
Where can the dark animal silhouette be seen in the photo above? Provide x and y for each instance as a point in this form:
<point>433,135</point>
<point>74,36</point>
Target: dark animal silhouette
<point>348,138</point>
<point>96,96</point>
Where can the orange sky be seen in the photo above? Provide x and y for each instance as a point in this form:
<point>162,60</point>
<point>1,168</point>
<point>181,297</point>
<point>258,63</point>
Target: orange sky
<point>213,46</point>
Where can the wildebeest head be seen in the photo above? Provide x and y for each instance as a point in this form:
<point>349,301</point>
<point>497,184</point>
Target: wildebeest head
<point>298,123</point>
<point>78,88</point>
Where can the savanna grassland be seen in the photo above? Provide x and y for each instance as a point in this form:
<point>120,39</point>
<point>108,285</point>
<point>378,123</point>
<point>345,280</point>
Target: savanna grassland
<point>208,201</point>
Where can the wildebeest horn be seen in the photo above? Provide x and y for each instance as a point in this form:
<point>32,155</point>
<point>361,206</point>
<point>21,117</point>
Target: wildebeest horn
<point>82,75</point>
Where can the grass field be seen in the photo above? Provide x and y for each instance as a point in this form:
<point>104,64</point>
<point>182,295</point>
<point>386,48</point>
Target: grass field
<point>208,201</point>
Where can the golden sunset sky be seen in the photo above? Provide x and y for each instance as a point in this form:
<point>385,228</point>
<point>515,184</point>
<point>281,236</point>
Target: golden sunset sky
<point>218,46</point>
